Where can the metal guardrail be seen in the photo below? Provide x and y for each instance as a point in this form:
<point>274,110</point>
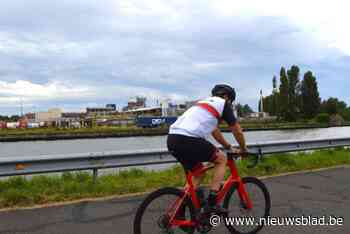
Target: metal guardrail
<point>104,160</point>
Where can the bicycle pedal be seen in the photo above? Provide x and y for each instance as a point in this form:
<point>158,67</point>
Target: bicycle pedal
<point>223,211</point>
<point>215,210</point>
<point>204,228</point>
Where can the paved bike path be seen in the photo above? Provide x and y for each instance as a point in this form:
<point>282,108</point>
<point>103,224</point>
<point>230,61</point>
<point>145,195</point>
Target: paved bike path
<point>321,193</point>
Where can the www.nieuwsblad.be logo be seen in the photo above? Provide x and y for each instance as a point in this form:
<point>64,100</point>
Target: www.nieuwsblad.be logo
<point>216,220</point>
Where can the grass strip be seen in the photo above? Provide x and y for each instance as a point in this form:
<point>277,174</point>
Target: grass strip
<point>22,191</point>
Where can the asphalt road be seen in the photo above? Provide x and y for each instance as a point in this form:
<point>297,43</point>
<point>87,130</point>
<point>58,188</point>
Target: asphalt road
<point>322,193</point>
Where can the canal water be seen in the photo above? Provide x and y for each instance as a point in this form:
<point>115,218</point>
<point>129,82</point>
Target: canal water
<point>39,148</point>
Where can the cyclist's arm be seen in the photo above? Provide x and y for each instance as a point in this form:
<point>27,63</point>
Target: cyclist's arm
<point>231,120</point>
<point>239,136</point>
<point>220,138</point>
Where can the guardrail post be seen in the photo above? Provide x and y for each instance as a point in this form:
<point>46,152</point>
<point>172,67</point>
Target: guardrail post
<point>260,154</point>
<point>94,175</point>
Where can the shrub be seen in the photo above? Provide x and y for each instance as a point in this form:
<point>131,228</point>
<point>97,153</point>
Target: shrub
<point>323,118</point>
<point>336,120</point>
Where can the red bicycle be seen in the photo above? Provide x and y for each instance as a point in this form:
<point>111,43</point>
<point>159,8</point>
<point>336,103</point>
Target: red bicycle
<point>171,210</point>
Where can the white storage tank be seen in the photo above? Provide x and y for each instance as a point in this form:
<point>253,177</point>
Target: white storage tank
<point>12,124</point>
<point>33,125</point>
<point>75,125</point>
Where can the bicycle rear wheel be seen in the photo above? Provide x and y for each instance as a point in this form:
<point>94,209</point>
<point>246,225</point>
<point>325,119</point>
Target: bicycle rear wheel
<point>240,219</point>
<point>153,214</point>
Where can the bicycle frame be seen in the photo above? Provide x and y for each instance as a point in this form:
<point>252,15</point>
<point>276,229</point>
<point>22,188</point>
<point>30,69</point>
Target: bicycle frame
<point>190,190</point>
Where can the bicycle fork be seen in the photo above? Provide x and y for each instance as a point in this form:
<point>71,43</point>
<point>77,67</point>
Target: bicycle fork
<point>246,202</point>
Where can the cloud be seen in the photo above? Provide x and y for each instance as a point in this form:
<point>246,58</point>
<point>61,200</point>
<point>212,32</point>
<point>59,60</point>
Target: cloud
<point>83,52</point>
<point>324,20</point>
<point>71,97</point>
<point>28,91</point>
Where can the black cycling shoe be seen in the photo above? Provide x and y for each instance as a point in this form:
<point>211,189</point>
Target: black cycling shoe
<point>215,210</point>
<point>181,213</point>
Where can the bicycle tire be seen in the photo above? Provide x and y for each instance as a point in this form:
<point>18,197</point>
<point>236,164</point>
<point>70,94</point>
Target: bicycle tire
<point>156,195</point>
<point>267,203</point>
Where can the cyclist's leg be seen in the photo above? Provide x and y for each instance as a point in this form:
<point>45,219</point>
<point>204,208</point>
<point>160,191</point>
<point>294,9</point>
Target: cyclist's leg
<point>191,152</point>
<point>192,166</point>
<point>219,159</point>
<point>219,170</point>
<point>197,180</point>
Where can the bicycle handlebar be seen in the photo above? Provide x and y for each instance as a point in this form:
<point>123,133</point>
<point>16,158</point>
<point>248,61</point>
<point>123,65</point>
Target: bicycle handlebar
<point>257,156</point>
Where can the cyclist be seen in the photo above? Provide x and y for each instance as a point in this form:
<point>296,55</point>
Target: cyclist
<point>187,139</point>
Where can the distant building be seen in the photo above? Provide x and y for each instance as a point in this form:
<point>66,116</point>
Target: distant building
<point>135,103</point>
<point>261,115</point>
<point>137,107</point>
<point>253,115</point>
<point>168,108</point>
<point>109,109</point>
<point>112,106</point>
<point>115,122</point>
<point>30,117</point>
<point>52,115</point>
<point>152,111</point>
<point>73,115</point>
<point>181,108</point>
<point>72,119</point>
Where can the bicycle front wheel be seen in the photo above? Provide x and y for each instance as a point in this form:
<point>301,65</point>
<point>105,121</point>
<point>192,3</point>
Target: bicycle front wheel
<point>154,213</point>
<point>240,219</point>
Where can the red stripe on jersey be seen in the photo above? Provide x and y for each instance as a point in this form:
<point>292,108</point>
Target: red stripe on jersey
<point>210,109</point>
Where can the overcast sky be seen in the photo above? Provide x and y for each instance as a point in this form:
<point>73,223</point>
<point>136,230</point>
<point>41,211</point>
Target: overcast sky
<point>78,53</point>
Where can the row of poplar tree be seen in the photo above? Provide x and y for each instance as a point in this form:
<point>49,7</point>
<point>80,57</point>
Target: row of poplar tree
<point>294,98</point>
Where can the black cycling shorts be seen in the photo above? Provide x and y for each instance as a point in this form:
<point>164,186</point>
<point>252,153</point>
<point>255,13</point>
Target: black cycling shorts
<point>191,151</point>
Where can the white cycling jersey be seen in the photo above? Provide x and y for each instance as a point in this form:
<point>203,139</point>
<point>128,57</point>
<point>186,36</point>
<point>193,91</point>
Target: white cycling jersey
<point>201,119</point>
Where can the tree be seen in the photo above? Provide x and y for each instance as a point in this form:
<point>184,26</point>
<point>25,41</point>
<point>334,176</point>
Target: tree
<point>333,106</point>
<point>3,118</point>
<point>238,107</point>
<point>274,101</point>
<point>12,118</point>
<point>293,82</point>
<point>310,96</point>
<point>265,104</point>
<point>274,83</point>
<point>247,109</point>
<point>347,114</point>
<point>283,94</point>
<point>329,106</point>
<point>243,110</point>
<point>268,104</point>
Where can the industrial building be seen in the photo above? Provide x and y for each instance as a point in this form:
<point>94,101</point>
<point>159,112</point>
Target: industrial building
<point>135,103</point>
<point>52,115</point>
<point>101,116</point>
<point>100,111</point>
<point>155,111</point>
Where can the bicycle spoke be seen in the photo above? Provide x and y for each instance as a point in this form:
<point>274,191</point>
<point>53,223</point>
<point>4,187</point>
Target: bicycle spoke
<point>155,216</point>
<point>247,220</point>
